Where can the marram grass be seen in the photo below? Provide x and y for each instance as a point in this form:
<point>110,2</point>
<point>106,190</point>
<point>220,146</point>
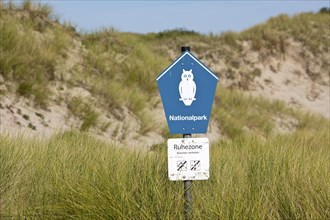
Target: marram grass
<point>74,176</point>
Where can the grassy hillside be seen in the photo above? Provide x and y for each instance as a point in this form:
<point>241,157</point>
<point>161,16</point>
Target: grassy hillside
<point>31,45</point>
<point>44,60</point>
<point>268,160</point>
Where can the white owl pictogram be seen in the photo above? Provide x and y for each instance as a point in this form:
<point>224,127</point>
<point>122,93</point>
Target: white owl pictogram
<point>187,87</point>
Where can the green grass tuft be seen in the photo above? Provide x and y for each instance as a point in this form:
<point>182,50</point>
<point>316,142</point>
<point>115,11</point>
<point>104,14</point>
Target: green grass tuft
<point>83,110</point>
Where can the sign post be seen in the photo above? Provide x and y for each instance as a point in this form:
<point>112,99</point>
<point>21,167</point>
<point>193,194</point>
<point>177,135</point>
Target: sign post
<point>187,184</point>
<point>187,89</point>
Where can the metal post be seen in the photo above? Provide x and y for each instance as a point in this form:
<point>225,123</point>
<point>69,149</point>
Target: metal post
<point>187,184</point>
<point>188,200</point>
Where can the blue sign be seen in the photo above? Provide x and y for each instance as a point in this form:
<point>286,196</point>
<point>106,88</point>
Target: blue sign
<point>187,88</point>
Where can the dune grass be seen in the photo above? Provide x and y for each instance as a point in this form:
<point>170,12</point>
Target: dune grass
<point>241,114</point>
<point>74,176</point>
<point>119,69</point>
<point>28,57</point>
<point>308,28</point>
<point>255,173</point>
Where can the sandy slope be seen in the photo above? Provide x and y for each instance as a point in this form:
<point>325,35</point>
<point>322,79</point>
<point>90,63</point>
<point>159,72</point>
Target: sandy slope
<point>294,88</point>
<point>299,82</point>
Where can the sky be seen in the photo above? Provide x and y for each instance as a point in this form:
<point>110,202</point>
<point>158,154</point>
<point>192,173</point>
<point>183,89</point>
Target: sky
<point>155,16</point>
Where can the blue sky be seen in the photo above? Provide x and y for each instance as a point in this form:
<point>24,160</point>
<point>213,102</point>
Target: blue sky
<point>155,16</point>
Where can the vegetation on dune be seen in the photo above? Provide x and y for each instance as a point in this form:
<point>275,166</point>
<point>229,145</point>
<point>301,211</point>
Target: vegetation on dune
<point>119,69</point>
<point>256,173</point>
<point>123,62</point>
<point>308,28</point>
<point>73,176</point>
<point>240,114</point>
<point>30,47</point>
<point>84,111</point>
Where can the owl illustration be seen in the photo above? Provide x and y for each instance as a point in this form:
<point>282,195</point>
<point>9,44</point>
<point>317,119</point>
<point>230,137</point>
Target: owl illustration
<point>187,87</point>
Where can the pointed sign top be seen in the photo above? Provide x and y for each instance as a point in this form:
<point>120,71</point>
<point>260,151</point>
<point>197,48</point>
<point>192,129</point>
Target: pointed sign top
<point>187,88</point>
<point>187,53</point>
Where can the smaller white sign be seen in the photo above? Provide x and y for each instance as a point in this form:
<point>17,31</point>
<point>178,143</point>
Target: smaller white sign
<point>188,159</point>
